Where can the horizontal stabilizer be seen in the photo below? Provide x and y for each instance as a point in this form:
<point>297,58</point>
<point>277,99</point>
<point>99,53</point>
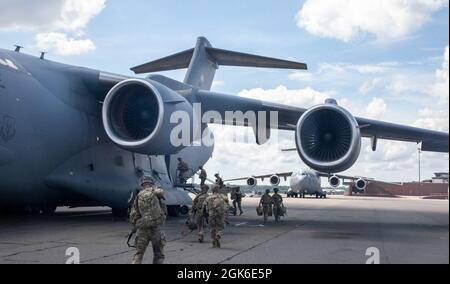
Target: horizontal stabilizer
<point>218,57</point>
<point>231,58</point>
<point>173,62</point>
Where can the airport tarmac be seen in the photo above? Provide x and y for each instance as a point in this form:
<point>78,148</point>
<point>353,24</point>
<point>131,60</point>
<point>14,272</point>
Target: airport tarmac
<point>336,230</point>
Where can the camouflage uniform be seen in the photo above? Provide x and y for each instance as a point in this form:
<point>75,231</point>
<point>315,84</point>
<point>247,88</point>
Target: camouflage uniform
<point>203,176</point>
<point>148,215</point>
<point>216,206</point>
<point>219,182</point>
<point>183,169</point>
<point>236,196</point>
<point>277,206</point>
<point>266,202</point>
<point>197,208</point>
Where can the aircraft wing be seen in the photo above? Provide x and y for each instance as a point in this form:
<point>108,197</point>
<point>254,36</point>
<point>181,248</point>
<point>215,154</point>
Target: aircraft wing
<point>355,178</point>
<point>261,177</point>
<point>288,116</point>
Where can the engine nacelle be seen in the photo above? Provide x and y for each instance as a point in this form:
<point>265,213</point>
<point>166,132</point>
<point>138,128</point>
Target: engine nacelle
<point>275,180</point>
<point>328,138</point>
<point>334,181</point>
<point>253,182</point>
<point>137,117</point>
<point>361,184</point>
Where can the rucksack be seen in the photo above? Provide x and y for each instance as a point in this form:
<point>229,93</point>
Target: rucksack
<point>152,215</point>
<point>200,201</point>
<point>217,206</point>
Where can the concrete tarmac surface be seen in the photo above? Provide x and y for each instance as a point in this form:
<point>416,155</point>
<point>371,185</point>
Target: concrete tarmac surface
<point>338,230</point>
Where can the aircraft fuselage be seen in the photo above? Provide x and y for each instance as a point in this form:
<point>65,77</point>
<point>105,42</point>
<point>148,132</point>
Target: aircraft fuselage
<point>53,147</point>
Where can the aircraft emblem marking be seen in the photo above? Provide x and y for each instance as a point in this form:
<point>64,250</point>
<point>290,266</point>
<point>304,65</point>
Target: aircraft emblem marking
<point>8,127</point>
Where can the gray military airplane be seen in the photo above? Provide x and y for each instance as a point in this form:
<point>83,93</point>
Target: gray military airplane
<point>309,182</point>
<point>72,136</point>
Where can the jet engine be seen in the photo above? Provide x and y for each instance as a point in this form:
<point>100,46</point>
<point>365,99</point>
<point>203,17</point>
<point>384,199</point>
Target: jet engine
<point>361,184</point>
<point>275,180</point>
<point>334,181</point>
<point>253,182</point>
<point>328,138</point>
<point>137,116</point>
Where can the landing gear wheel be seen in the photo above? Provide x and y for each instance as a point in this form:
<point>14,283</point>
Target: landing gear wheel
<point>174,210</point>
<point>184,210</point>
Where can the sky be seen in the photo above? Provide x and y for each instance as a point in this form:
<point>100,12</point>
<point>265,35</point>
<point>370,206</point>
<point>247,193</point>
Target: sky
<point>383,59</point>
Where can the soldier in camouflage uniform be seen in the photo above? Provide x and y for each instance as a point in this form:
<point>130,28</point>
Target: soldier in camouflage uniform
<point>203,175</point>
<point>266,203</point>
<point>277,205</point>
<point>236,196</point>
<point>148,215</point>
<point>216,206</point>
<point>183,169</point>
<point>197,209</point>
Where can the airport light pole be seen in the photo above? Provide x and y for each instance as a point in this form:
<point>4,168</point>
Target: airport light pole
<point>420,172</point>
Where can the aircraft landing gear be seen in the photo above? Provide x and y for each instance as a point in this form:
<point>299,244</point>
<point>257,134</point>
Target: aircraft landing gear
<point>120,213</point>
<point>174,210</point>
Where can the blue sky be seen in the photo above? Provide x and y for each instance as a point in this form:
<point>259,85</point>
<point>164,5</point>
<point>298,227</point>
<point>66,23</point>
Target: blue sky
<point>394,72</point>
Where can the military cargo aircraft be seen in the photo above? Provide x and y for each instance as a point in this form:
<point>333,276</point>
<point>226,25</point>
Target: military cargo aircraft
<point>309,182</point>
<point>73,136</point>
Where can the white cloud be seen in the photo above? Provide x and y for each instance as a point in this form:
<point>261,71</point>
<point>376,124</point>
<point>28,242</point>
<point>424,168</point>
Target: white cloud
<point>362,69</point>
<point>49,15</point>
<point>62,44</point>
<point>349,19</point>
<point>401,84</point>
<point>436,115</point>
<point>300,76</point>
<point>376,109</point>
<point>58,24</point>
<point>369,86</point>
<point>441,88</point>
<point>301,98</point>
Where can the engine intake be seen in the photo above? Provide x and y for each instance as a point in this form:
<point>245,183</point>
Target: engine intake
<point>253,182</point>
<point>334,181</point>
<point>328,138</point>
<point>275,180</point>
<point>361,184</point>
<point>136,116</point>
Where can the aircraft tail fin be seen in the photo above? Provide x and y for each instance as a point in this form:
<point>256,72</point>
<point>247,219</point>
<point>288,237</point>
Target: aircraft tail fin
<point>203,61</point>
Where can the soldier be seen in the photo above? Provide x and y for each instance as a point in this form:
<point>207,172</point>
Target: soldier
<point>219,181</point>
<point>266,203</point>
<point>277,205</point>
<point>197,209</point>
<point>203,176</point>
<point>216,206</point>
<point>182,169</point>
<point>236,196</point>
<point>148,215</point>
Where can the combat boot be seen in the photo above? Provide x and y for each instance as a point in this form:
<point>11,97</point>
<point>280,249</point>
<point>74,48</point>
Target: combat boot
<point>218,242</point>
<point>137,259</point>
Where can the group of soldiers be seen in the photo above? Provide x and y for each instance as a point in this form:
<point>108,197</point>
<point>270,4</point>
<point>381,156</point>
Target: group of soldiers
<point>272,205</point>
<point>148,214</point>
